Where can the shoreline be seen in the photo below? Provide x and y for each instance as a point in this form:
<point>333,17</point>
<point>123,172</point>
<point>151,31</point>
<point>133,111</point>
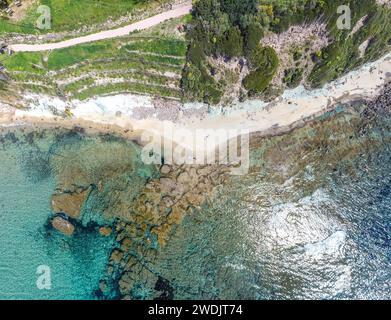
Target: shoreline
<point>130,116</point>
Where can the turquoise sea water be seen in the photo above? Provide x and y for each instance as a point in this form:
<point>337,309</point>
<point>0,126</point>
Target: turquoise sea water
<point>312,219</point>
<point>315,223</point>
<point>260,241</point>
<point>76,264</point>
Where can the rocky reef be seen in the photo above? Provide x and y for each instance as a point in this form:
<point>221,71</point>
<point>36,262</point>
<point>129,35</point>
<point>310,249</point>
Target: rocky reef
<point>161,206</point>
<point>142,227</point>
<point>70,202</point>
<point>102,186</point>
<point>180,191</point>
<point>63,225</point>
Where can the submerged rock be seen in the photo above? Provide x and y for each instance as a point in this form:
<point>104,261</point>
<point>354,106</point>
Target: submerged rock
<point>105,231</point>
<point>63,226</point>
<point>155,213</point>
<point>70,203</point>
<point>116,256</point>
<point>165,169</point>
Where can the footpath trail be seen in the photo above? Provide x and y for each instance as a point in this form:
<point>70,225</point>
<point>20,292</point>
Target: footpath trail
<point>176,12</point>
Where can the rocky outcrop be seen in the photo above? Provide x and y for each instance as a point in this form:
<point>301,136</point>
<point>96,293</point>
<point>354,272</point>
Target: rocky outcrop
<point>162,204</point>
<point>380,106</point>
<point>62,225</point>
<point>105,231</point>
<point>70,203</point>
<point>104,188</point>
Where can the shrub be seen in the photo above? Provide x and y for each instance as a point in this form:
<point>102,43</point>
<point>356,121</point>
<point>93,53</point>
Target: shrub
<point>253,36</point>
<point>266,62</point>
<point>293,77</point>
<point>263,57</point>
<point>232,43</point>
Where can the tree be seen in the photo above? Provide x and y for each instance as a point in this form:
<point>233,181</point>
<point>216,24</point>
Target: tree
<point>232,43</point>
<point>3,3</point>
<point>265,62</point>
<point>253,36</point>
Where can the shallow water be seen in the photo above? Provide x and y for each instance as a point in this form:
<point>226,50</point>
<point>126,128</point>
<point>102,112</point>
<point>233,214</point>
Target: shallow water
<point>333,244</point>
<point>312,219</point>
<point>323,232</point>
<point>26,186</point>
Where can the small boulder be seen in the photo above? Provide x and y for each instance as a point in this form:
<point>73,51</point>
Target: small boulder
<point>63,226</point>
<point>126,244</point>
<point>184,178</point>
<point>105,231</point>
<point>165,169</point>
<point>116,256</point>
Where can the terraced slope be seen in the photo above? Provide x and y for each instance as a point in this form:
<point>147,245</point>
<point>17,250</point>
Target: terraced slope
<point>134,64</point>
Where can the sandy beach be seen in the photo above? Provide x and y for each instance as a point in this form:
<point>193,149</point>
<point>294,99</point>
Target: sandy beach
<point>121,114</point>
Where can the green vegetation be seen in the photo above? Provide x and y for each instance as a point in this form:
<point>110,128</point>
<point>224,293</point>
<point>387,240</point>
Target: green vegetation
<point>70,15</point>
<point>223,36</point>
<point>230,29</point>
<point>128,87</point>
<point>293,77</point>
<point>161,47</point>
<point>25,61</point>
<point>130,64</point>
<point>232,43</point>
<point>342,55</point>
<point>265,63</point>
<point>197,83</point>
<point>253,35</point>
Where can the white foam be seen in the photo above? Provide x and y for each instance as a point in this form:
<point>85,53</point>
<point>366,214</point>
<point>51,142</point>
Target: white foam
<point>331,246</point>
<point>295,224</point>
<point>111,105</point>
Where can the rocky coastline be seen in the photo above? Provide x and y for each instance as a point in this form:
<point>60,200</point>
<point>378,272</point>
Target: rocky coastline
<point>143,215</point>
<point>150,219</point>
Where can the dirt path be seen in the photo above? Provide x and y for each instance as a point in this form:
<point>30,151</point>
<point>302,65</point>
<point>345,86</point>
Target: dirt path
<point>176,12</point>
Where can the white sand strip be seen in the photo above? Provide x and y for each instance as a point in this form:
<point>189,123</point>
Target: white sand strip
<point>255,116</point>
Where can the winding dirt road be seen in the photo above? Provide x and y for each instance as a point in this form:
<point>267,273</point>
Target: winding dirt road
<point>176,12</point>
